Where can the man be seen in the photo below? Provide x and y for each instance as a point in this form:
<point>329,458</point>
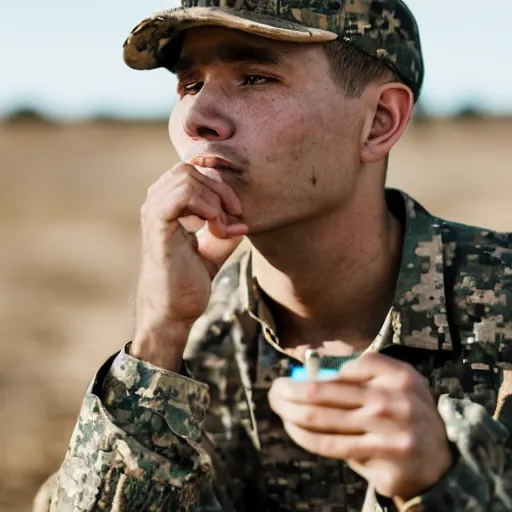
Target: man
<point>286,116</point>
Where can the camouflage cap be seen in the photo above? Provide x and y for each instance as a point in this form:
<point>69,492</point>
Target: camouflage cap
<point>385,29</point>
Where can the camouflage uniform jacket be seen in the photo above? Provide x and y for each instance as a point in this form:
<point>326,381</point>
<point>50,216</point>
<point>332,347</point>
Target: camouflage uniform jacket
<point>151,440</point>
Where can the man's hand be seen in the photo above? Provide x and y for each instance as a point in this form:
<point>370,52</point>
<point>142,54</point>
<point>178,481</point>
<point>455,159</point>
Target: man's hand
<point>177,267</point>
<point>378,415</point>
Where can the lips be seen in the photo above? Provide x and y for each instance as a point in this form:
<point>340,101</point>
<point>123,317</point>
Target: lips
<point>213,162</point>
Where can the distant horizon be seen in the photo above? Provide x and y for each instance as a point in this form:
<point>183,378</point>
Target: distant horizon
<point>34,114</point>
<point>66,61</point>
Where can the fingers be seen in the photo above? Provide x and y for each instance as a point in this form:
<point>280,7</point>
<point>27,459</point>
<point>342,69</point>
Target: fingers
<point>351,447</point>
<point>335,407</point>
<point>192,223</point>
<point>380,371</point>
<point>183,192</point>
<point>326,420</point>
<point>326,393</point>
<point>195,204</point>
<point>183,175</point>
<point>378,409</point>
<point>369,366</point>
<point>327,445</point>
<point>185,197</point>
<point>227,195</point>
<point>215,250</point>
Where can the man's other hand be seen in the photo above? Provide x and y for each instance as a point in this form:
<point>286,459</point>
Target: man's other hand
<point>378,414</point>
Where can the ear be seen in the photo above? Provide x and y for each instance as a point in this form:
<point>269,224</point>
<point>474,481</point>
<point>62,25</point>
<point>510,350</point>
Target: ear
<point>387,121</point>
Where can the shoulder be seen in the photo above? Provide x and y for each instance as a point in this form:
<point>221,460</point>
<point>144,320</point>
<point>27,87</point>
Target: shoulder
<point>478,270</point>
<point>480,259</point>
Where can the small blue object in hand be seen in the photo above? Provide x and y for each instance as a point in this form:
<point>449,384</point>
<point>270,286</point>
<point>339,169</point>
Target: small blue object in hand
<point>300,374</point>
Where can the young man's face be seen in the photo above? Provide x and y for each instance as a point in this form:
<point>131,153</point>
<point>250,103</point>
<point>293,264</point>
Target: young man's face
<point>272,110</point>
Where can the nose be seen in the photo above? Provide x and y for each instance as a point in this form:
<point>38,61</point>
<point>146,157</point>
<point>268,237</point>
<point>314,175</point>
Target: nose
<point>207,118</point>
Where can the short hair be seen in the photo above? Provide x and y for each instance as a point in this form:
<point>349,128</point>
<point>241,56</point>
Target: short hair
<point>354,69</point>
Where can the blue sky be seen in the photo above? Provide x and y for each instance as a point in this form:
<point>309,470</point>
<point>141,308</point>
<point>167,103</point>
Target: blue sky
<point>64,57</point>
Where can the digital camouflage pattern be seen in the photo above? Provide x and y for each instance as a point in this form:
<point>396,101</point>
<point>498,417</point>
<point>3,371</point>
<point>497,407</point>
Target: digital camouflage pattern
<point>385,29</point>
<point>148,439</point>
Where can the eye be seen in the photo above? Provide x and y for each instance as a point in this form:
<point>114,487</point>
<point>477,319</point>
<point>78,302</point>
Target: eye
<point>255,80</point>
<point>190,89</point>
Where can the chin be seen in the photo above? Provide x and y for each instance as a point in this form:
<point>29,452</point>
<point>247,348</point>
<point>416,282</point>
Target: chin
<point>257,228</point>
<point>265,226</point>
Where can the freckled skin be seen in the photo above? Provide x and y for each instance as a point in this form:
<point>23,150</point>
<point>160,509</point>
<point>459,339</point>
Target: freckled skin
<point>284,129</point>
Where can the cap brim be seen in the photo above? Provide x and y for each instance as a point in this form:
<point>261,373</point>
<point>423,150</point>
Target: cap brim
<point>151,39</point>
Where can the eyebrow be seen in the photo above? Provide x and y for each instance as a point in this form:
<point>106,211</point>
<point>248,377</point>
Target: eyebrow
<point>226,53</point>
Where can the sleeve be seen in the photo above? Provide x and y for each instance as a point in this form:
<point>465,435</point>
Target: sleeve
<point>137,444</point>
<point>481,476</point>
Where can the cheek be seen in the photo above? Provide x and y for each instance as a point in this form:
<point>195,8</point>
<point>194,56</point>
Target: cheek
<point>314,148</point>
<point>280,127</point>
<point>176,132</point>
<point>294,134</point>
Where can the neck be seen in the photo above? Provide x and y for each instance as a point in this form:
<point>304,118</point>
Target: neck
<point>332,277</point>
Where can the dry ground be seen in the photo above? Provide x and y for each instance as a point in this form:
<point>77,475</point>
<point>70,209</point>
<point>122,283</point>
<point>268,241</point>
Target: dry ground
<point>69,200</point>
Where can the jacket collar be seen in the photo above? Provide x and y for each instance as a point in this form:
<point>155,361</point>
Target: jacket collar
<point>419,308</point>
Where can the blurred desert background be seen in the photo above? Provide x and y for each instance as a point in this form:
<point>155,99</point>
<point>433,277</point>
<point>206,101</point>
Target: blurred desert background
<point>69,203</point>
<point>82,137</point>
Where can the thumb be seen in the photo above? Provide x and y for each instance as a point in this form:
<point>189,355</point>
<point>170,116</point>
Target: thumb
<point>215,251</point>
